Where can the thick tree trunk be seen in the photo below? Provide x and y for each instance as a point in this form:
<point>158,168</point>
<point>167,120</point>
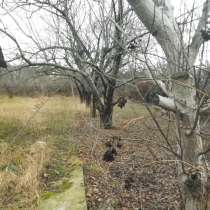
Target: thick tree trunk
<point>192,167</point>
<point>107,111</point>
<point>193,176</point>
<point>106,117</point>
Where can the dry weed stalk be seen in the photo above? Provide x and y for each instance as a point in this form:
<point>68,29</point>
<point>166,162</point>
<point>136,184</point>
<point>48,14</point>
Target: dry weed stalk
<point>38,155</point>
<point>26,181</point>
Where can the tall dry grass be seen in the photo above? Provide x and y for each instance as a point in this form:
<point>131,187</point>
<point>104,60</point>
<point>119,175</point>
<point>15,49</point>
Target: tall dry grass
<point>28,130</point>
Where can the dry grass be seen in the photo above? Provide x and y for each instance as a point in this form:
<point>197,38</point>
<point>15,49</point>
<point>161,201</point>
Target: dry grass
<point>37,157</point>
<point>29,128</point>
<point>24,108</point>
<point>23,181</point>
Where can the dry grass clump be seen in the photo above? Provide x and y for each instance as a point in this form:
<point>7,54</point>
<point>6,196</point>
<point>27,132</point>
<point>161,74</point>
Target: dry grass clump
<point>37,157</point>
<point>10,166</point>
<point>23,179</point>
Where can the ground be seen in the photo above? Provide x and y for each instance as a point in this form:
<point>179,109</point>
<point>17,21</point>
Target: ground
<point>39,138</point>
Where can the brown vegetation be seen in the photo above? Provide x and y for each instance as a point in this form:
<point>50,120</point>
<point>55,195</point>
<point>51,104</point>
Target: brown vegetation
<point>141,174</point>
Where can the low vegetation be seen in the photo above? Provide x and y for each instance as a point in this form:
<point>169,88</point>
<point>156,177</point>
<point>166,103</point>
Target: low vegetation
<point>35,136</point>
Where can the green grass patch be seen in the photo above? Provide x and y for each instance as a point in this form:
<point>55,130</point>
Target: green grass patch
<point>131,111</point>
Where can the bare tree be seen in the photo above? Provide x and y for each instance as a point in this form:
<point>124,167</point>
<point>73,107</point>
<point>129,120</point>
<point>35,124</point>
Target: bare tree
<point>90,47</point>
<point>182,98</point>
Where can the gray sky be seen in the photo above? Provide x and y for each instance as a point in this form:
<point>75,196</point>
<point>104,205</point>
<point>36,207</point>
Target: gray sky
<point>41,29</point>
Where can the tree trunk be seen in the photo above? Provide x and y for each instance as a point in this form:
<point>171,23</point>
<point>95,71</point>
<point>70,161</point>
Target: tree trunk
<point>106,117</point>
<point>72,89</point>
<point>93,107</point>
<point>192,166</point>
<point>107,111</point>
<point>192,173</point>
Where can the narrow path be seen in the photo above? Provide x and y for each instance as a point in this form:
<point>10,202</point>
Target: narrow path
<point>63,179</point>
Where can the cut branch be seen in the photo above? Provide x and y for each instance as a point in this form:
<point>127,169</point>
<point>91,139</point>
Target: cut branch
<point>166,103</point>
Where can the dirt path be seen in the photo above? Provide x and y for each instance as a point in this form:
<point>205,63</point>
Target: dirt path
<point>138,178</point>
<point>63,180</point>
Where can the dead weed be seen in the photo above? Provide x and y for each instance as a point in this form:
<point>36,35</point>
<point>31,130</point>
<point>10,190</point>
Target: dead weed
<point>22,177</point>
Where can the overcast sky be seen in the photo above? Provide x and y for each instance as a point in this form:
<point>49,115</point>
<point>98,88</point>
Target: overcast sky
<point>41,28</point>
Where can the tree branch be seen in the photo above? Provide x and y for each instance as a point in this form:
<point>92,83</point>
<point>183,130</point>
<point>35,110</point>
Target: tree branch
<point>197,39</point>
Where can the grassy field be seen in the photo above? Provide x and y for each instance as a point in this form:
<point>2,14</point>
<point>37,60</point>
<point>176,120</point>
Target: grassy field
<point>35,148</point>
<point>30,131</point>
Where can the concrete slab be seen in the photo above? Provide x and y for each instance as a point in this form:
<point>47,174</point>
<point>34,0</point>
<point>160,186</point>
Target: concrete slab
<point>72,198</point>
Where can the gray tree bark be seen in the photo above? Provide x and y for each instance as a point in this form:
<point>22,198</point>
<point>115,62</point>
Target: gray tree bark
<point>159,20</point>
